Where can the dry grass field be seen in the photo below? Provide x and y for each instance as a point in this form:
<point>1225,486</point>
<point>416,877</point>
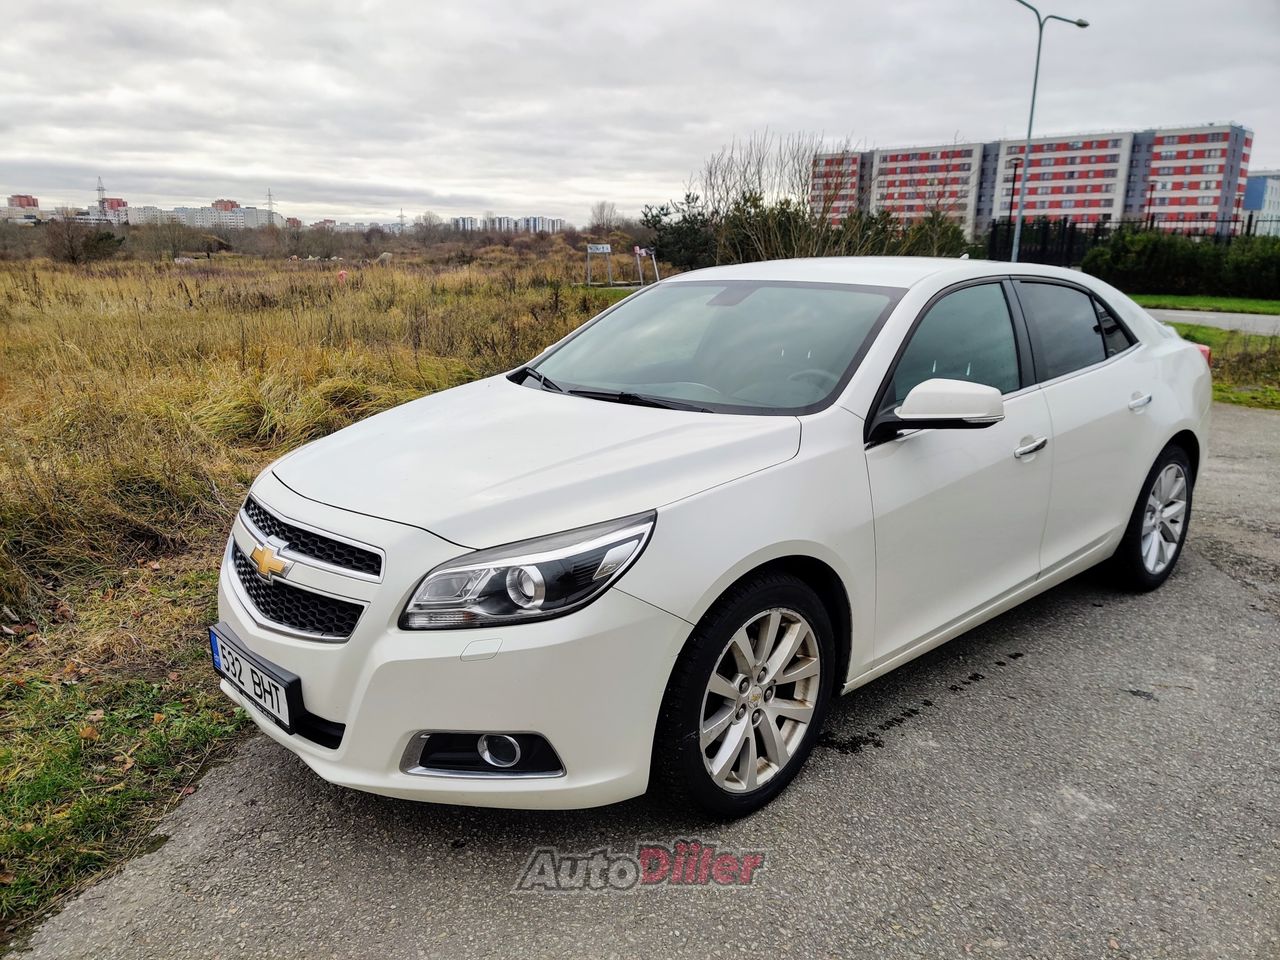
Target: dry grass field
<point>137,401</point>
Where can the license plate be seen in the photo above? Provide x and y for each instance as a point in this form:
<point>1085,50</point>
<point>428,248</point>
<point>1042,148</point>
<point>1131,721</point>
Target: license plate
<point>264,686</point>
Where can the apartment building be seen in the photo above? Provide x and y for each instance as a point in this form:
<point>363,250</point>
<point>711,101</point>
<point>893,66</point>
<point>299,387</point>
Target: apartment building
<point>220,214</point>
<point>509,224</point>
<point>23,208</point>
<point>835,185</point>
<point>147,215</point>
<point>914,182</point>
<point>111,209</point>
<point>540,224</point>
<point>1080,177</point>
<point>1176,176</point>
<point>1189,173</point>
<point>1262,201</point>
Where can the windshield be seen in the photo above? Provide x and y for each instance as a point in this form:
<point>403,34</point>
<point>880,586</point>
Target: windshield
<point>731,346</point>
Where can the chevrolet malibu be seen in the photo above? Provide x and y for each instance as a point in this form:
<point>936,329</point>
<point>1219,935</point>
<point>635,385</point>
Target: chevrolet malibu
<point>652,556</point>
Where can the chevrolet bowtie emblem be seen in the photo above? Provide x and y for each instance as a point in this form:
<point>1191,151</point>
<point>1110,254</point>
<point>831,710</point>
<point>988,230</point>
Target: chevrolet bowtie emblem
<point>267,562</point>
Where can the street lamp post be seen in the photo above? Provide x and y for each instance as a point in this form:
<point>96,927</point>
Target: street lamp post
<point>1026,150</point>
<point>1016,163</point>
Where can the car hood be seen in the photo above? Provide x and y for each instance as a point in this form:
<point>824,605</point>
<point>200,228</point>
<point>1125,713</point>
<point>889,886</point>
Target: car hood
<point>493,461</point>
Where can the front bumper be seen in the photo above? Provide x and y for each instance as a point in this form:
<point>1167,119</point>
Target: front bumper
<point>591,683</point>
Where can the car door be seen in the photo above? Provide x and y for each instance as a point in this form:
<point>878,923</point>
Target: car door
<point>958,513</point>
<point>1099,396</point>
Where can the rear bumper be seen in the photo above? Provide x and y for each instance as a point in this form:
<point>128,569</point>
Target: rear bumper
<point>591,683</point>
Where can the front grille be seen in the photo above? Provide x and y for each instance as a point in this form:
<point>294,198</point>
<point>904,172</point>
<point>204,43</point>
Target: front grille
<point>296,609</point>
<point>314,545</point>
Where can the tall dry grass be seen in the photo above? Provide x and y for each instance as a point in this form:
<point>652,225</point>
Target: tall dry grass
<point>138,400</point>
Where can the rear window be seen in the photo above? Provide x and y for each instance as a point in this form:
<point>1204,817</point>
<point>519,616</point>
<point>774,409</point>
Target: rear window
<point>1115,338</point>
<point>1065,327</point>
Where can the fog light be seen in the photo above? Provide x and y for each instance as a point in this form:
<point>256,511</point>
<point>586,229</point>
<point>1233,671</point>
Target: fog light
<point>498,750</point>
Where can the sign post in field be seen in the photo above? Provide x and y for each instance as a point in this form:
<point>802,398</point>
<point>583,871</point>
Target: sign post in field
<point>643,253</point>
<point>604,249</point>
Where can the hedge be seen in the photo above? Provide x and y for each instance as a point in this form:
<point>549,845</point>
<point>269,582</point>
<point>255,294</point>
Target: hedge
<point>1152,261</point>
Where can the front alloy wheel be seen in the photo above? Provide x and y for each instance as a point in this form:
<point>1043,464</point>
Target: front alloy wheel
<point>760,699</point>
<point>746,698</point>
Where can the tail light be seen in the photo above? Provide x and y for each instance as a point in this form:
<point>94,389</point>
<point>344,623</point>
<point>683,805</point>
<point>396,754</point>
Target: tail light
<point>1206,353</point>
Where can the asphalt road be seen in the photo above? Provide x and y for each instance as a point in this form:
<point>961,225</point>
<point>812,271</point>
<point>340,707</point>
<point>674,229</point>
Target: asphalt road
<point>1092,775</point>
<point>1248,322</point>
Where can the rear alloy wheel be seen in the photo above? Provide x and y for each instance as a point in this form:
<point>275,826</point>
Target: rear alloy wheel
<point>747,697</point>
<point>1158,525</point>
<point>1164,518</point>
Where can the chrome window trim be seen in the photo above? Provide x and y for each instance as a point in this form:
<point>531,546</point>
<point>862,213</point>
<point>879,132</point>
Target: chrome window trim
<point>266,623</point>
<point>1020,392</point>
<point>305,559</point>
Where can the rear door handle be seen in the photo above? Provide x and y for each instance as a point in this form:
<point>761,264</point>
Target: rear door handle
<point>1029,448</point>
<point>1137,403</point>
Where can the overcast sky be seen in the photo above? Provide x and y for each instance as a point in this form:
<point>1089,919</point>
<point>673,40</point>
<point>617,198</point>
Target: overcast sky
<point>355,110</point>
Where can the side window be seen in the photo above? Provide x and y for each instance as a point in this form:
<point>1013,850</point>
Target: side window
<point>967,335</point>
<point>1115,338</point>
<point>1065,328</point>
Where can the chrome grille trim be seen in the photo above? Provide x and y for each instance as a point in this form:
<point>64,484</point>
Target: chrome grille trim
<point>291,552</point>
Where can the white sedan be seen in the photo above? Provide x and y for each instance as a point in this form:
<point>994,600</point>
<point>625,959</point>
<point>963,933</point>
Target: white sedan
<point>655,553</point>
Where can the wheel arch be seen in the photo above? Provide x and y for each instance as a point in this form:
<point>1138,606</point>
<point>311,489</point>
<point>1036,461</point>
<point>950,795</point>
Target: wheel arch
<point>1189,442</point>
<point>831,591</point>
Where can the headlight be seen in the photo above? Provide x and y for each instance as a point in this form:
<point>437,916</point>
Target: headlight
<point>529,580</point>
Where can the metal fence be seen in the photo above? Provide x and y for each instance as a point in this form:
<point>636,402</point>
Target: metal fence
<point>1064,243</point>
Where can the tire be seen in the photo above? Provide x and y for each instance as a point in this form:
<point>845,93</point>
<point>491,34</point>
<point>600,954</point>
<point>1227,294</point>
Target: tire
<point>765,717</point>
<point>1133,560</point>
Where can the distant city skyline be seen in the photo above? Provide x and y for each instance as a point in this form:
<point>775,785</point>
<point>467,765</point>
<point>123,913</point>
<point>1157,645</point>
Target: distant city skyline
<point>229,212</point>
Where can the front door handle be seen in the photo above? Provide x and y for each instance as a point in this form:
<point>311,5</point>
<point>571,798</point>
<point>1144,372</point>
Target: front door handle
<point>1029,448</point>
<point>1137,403</point>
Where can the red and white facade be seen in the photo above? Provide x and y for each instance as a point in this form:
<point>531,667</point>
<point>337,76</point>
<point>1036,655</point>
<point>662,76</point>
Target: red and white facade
<point>914,182</point>
<point>1191,174</point>
<point>1080,177</point>
<point>1181,177</point>
<point>834,190</point>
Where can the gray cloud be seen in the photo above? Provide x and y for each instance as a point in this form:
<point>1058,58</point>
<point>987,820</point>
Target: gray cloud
<point>356,110</point>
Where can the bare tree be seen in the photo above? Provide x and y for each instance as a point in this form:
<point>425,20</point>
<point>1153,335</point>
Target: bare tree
<point>75,241</point>
<point>323,240</point>
<point>777,196</point>
<point>428,227</point>
<point>773,197</point>
<point>604,216</point>
<point>171,237</point>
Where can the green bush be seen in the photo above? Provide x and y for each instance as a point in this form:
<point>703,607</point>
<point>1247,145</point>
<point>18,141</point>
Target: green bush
<point>1152,261</point>
<point>690,235</point>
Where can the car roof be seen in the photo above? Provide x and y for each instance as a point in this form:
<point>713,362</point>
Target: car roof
<point>874,271</point>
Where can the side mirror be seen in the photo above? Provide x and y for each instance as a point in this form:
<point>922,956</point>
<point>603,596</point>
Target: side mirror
<point>942,405</point>
<point>952,403</point>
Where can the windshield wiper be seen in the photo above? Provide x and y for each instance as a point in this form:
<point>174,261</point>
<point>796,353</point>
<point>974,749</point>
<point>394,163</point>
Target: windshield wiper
<point>638,400</point>
<point>547,382</point>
